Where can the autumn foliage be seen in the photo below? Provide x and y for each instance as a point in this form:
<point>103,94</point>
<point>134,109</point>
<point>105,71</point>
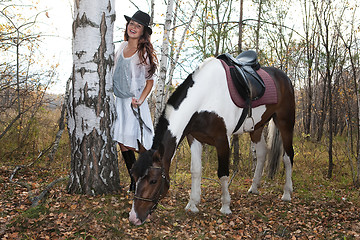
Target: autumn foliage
<point>320,208</point>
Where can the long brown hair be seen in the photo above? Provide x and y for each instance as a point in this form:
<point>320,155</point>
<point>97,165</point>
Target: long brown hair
<point>145,46</point>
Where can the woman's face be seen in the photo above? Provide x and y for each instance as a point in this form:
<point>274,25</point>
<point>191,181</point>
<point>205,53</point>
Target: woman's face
<point>135,29</point>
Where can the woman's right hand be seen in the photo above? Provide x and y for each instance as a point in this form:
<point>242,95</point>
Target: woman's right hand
<point>135,103</point>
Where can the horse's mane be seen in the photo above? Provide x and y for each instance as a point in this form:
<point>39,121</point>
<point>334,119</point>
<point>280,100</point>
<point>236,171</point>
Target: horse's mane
<point>174,101</point>
<point>181,92</point>
<point>143,163</point>
<point>160,129</point>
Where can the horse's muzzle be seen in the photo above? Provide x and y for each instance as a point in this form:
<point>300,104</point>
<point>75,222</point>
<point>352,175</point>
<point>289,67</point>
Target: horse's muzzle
<point>133,218</point>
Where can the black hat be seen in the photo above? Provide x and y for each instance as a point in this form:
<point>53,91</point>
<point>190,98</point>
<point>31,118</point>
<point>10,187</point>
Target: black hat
<point>142,18</point>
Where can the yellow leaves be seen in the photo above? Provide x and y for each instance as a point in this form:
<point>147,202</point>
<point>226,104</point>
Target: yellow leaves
<point>73,207</point>
<point>210,15</point>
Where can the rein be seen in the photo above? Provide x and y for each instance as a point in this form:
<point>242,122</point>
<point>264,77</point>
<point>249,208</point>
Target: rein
<point>159,193</point>
<point>141,122</point>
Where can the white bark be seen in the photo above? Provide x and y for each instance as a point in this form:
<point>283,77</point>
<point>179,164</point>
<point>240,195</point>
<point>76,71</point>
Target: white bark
<point>160,90</point>
<point>94,168</point>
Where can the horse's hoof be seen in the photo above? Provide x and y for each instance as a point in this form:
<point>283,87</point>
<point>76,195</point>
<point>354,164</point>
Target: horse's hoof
<point>225,210</point>
<point>253,191</point>
<point>286,197</point>
<point>192,208</point>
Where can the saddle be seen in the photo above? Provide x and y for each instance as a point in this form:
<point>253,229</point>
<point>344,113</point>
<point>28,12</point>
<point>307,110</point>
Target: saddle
<point>243,68</point>
<point>247,82</point>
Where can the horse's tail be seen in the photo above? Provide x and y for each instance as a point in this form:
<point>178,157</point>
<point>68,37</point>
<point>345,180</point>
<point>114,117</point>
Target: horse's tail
<point>275,149</point>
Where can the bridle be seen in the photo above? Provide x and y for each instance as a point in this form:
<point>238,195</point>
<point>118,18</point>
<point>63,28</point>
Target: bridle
<point>159,193</point>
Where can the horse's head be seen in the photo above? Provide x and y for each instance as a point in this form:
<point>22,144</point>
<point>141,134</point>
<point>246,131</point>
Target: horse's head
<point>152,184</point>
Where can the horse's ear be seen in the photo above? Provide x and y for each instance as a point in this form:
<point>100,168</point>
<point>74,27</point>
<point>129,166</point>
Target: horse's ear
<point>141,147</point>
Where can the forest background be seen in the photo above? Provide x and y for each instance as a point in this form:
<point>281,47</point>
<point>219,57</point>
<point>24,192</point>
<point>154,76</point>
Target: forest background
<point>315,42</point>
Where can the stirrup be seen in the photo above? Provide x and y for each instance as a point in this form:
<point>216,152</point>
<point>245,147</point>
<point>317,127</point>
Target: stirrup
<point>252,124</point>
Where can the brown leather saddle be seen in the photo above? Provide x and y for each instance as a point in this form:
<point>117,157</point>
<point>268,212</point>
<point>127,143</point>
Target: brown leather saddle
<point>247,82</point>
<point>244,76</point>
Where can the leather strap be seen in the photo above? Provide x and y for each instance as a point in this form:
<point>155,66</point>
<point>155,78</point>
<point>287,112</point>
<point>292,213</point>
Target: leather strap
<point>242,119</point>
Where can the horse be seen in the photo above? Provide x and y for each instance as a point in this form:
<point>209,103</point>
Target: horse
<point>201,109</point>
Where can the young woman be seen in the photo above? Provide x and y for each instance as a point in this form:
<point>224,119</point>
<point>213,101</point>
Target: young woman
<point>135,65</point>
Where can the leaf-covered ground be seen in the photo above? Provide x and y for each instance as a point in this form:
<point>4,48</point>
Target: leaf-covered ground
<point>312,214</point>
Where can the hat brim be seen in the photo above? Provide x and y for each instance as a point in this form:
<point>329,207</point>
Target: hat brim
<point>148,29</point>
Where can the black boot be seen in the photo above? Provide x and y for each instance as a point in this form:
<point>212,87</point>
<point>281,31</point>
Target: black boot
<point>129,157</point>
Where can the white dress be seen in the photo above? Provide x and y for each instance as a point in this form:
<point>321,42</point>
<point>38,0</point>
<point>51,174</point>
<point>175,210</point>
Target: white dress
<point>126,127</point>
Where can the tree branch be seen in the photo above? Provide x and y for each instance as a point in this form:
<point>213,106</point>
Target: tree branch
<point>35,200</point>
<point>56,142</point>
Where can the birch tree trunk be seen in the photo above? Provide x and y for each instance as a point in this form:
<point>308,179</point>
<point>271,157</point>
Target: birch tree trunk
<point>94,166</point>
<point>160,90</point>
<point>152,10</point>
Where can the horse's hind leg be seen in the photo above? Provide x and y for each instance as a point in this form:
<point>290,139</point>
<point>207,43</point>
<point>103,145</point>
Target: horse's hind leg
<point>286,131</point>
<point>196,150</point>
<point>258,140</point>
<point>288,187</point>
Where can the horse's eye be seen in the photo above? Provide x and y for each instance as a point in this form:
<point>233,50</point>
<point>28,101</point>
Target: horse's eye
<point>153,181</point>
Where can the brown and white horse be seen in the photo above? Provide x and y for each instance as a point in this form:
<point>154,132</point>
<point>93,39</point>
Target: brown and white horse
<point>202,110</point>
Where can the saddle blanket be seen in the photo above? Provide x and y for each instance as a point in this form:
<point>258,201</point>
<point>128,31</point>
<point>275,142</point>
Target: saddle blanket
<point>270,94</point>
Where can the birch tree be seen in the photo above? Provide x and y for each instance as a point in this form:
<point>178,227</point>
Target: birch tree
<point>160,90</point>
<point>94,167</point>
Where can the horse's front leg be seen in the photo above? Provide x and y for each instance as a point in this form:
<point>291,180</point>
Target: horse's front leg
<point>223,152</point>
<point>260,149</point>
<point>225,197</point>
<point>195,194</point>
